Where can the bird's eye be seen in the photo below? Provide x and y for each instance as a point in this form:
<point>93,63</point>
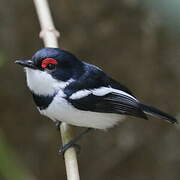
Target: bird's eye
<point>49,63</point>
<point>51,66</point>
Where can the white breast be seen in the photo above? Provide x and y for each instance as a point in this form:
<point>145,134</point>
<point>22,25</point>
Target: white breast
<point>42,83</point>
<point>61,110</point>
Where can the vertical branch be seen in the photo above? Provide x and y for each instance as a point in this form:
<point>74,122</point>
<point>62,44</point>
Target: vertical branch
<point>50,37</point>
<point>48,32</point>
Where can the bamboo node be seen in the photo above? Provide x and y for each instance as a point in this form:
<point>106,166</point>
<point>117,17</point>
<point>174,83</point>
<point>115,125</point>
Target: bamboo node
<point>43,32</point>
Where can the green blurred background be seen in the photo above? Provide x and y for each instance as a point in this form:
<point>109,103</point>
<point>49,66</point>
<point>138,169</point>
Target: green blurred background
<point>135,41</point>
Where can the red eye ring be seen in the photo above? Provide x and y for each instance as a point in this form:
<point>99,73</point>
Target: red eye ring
<point>47,61</point>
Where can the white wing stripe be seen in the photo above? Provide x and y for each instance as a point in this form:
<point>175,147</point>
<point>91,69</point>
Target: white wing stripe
<point>80,94</point>
<point>102,91</point>
<point>106,90</point>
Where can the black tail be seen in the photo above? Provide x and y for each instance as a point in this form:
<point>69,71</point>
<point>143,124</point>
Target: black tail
<point>157,113</point>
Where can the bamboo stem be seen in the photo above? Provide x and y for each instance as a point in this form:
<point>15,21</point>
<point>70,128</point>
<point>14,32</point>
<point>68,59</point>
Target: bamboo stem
<point>71,162</point>
<point>48,32</point>
<point>50,38</point>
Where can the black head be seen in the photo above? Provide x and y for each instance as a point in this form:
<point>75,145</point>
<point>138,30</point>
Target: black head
<point>61,64</point>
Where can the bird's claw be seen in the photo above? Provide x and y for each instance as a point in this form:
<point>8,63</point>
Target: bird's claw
<point>63,149</point>
<point>72,143</point>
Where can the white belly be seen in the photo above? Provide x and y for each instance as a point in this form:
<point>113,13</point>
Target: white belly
<point>61,110</point>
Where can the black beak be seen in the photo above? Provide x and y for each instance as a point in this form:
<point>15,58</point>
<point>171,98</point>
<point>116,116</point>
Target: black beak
<point>26,63</point>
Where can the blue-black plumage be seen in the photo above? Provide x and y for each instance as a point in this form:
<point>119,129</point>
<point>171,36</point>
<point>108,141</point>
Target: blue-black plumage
<point>67,89</point>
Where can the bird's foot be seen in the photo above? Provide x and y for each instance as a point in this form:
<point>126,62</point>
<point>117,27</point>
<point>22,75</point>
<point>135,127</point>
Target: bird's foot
<point>63,149</point>
<point>73,142</point>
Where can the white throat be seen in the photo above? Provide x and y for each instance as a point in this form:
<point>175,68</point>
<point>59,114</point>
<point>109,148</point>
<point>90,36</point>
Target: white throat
<point>42,83</point>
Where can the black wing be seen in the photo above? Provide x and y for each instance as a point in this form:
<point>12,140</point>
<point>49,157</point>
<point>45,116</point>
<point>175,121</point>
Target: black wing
<point>123,102</point>
<point>109,103</point>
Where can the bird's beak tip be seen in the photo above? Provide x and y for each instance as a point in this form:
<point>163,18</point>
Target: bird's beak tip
<point>25,63</point>
<point>17,61</point>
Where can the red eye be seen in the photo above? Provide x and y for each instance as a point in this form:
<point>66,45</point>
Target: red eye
<point>48,62</point>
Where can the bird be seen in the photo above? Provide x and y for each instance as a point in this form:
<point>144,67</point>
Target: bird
<point>66,89</point>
